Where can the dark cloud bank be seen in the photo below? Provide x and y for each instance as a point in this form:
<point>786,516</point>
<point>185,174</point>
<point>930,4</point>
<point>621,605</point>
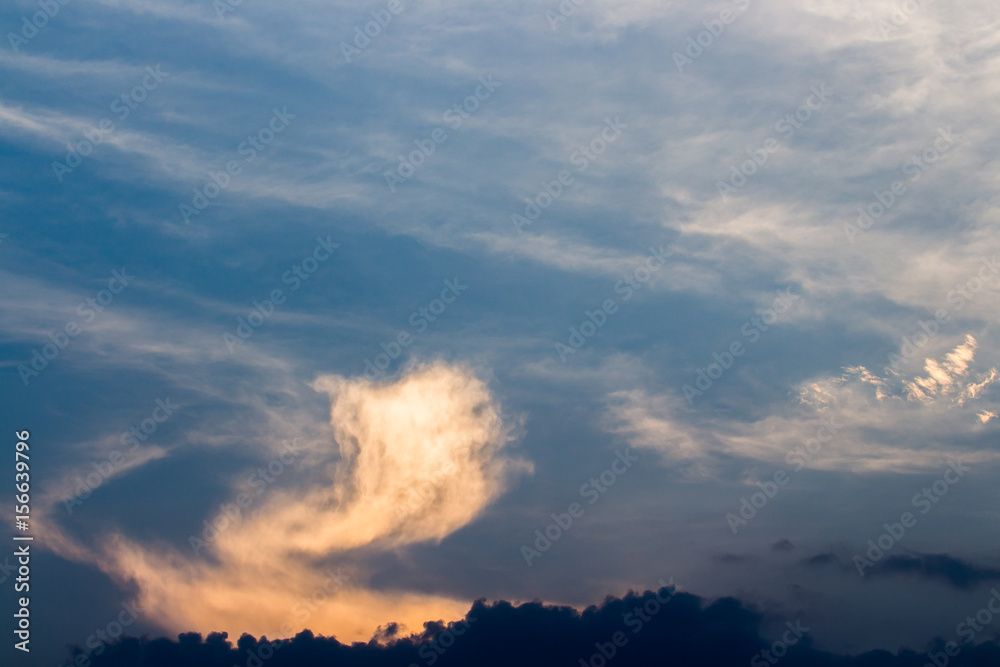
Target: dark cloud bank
<point>955,572</point>
<point>654,628</point>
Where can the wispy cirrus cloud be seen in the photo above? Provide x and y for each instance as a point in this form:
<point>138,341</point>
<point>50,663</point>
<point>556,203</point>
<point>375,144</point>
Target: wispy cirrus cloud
<point>872,416</point>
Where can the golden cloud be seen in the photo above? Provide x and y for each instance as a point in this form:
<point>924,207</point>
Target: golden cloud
<point>411,460</point>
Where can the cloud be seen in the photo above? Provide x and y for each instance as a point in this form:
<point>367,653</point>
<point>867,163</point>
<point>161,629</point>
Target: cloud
<point>649,423</point>
<point>410,461</point>
<point>648,627</point>
<point>956,572</point>
<point>944,376</point>
<point>783,545</point>
<point>872,423</point>
<point>784,228</point>
<point>420,458</point>
<point>820,559</point>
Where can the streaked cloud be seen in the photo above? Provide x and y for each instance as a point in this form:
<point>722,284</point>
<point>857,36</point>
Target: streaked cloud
<point>870,416</point>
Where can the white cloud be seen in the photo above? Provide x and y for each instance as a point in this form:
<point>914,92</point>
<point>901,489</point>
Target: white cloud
<point>879,424</point>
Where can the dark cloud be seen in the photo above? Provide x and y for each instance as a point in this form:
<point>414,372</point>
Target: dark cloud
<point>955,571</point>
<point>652,628</point>
<point>782,545</point>
<point>820,559</point>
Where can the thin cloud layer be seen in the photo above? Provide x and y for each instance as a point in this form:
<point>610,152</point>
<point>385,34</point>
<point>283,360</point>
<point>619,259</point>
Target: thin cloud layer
<point>855,421</point>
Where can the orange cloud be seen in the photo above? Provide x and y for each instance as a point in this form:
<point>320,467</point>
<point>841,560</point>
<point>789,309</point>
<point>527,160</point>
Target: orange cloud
<point>436,428</point>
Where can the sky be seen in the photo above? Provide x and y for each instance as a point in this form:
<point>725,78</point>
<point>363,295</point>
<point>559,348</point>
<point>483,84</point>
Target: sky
<point>345,317</point>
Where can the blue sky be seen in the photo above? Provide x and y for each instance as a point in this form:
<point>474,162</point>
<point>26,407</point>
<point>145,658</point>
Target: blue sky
<point>794,191</point>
